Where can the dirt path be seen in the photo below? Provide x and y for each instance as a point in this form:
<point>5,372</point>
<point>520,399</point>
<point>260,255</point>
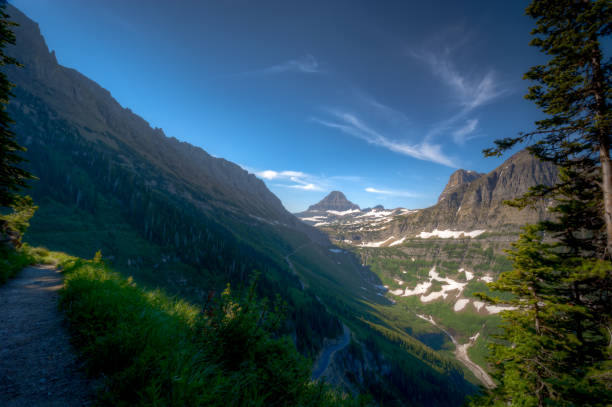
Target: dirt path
<point>462,355</point>
<point>37,362</point>
<point>292,267</point>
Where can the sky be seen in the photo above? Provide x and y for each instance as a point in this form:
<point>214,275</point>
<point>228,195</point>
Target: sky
<point>382,100</point>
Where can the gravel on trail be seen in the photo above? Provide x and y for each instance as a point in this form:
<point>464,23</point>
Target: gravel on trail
<point>38,365</point>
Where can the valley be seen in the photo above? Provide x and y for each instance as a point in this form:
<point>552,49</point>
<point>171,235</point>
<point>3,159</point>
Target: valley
<point>432,261</point>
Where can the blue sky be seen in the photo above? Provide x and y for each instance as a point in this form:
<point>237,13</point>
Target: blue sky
<point>381,100</point>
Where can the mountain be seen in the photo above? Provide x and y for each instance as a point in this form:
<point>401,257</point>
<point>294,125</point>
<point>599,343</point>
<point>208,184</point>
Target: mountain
<point>478,202</point>
<point>471,202</point>
<point>172,216</point>
<point>334,201</point>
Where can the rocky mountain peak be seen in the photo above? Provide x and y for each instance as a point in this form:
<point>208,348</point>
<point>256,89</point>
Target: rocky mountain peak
<point>334,201</point>
<point>457,179</point>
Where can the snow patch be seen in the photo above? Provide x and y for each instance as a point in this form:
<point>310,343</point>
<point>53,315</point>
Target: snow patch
<point>335,250</point>
<point>478,305</point>
<point>468,274</point>
<point>447,234</point>
<point>461,304</point>
<point>486,279</point>
<point>375,214</point>
<point>315,218</point>
<point>422,288</point>
<point>398,242</point>
<point>496,309</point>
<point>376,244</point>
<point>343,213</point>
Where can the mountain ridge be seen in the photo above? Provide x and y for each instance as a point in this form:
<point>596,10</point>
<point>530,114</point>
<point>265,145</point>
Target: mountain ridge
<point>470,201</point>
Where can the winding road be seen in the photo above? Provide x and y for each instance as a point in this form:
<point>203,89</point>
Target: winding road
<point>328,352</point>
<point>326,355</point>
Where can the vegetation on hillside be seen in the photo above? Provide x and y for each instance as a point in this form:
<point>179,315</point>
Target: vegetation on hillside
<point>15,210</point>
<point>156,350</point>
<point>12,176</point>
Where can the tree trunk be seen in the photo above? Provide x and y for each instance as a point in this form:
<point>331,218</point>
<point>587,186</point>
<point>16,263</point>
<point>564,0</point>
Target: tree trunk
<point>603,138</point>
<point>606,184</point>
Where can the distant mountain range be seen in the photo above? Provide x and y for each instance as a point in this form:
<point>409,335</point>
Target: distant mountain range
<point>470,204</point>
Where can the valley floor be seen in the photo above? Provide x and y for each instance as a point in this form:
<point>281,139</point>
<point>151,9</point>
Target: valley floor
<point>37,363</point>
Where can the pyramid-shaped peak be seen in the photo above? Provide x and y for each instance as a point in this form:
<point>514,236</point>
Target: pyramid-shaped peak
<point>334,201</point>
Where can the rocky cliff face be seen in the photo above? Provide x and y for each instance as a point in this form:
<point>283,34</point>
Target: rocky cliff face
<point>335,201</point>
<point>457,183</point>
<point>476,201</point>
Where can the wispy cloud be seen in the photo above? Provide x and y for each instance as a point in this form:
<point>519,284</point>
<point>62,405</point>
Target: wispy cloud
<point>470,92</point>
<point>298,179</point>
<point>392,192</point>
<point>462,134</point>
<point>306,64</point>
<point>271,174</point>
<point>350,124</point>
<point>304,181</point>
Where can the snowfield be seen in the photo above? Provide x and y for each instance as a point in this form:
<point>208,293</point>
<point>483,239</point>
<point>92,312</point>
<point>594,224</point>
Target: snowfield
<point>398,242</point>
<point>422,288</point>
<point>460,304</point>
<point>343,213</point>
<point>376,244</point>
<point>448,234</point>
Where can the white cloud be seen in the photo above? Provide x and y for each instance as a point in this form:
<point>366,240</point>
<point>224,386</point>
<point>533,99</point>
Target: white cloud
<point>271,174</point>
<point>350,124</point>
<point>392,192</point>
<point>307,187</point>
<point>300,180</point>
<point>461,135</point>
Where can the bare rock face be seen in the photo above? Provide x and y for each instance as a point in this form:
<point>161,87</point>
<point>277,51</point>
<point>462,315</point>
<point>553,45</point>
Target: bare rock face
<point>457,183</point>
<point>335,201</point>
<point>476,201</point>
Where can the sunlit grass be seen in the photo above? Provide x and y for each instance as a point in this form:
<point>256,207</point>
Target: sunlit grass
<point>153,349</point>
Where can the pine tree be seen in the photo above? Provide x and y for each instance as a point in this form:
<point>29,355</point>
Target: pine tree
<point>573,89</point>
<point>12,177</point>
<point>555,349</point>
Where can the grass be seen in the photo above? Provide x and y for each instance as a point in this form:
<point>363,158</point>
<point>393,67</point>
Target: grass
<point>12,261</point>
<point>155,350</point>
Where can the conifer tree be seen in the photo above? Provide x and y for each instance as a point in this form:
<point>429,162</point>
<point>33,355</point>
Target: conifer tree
<point>555,347</point>
<point>12,177</point>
